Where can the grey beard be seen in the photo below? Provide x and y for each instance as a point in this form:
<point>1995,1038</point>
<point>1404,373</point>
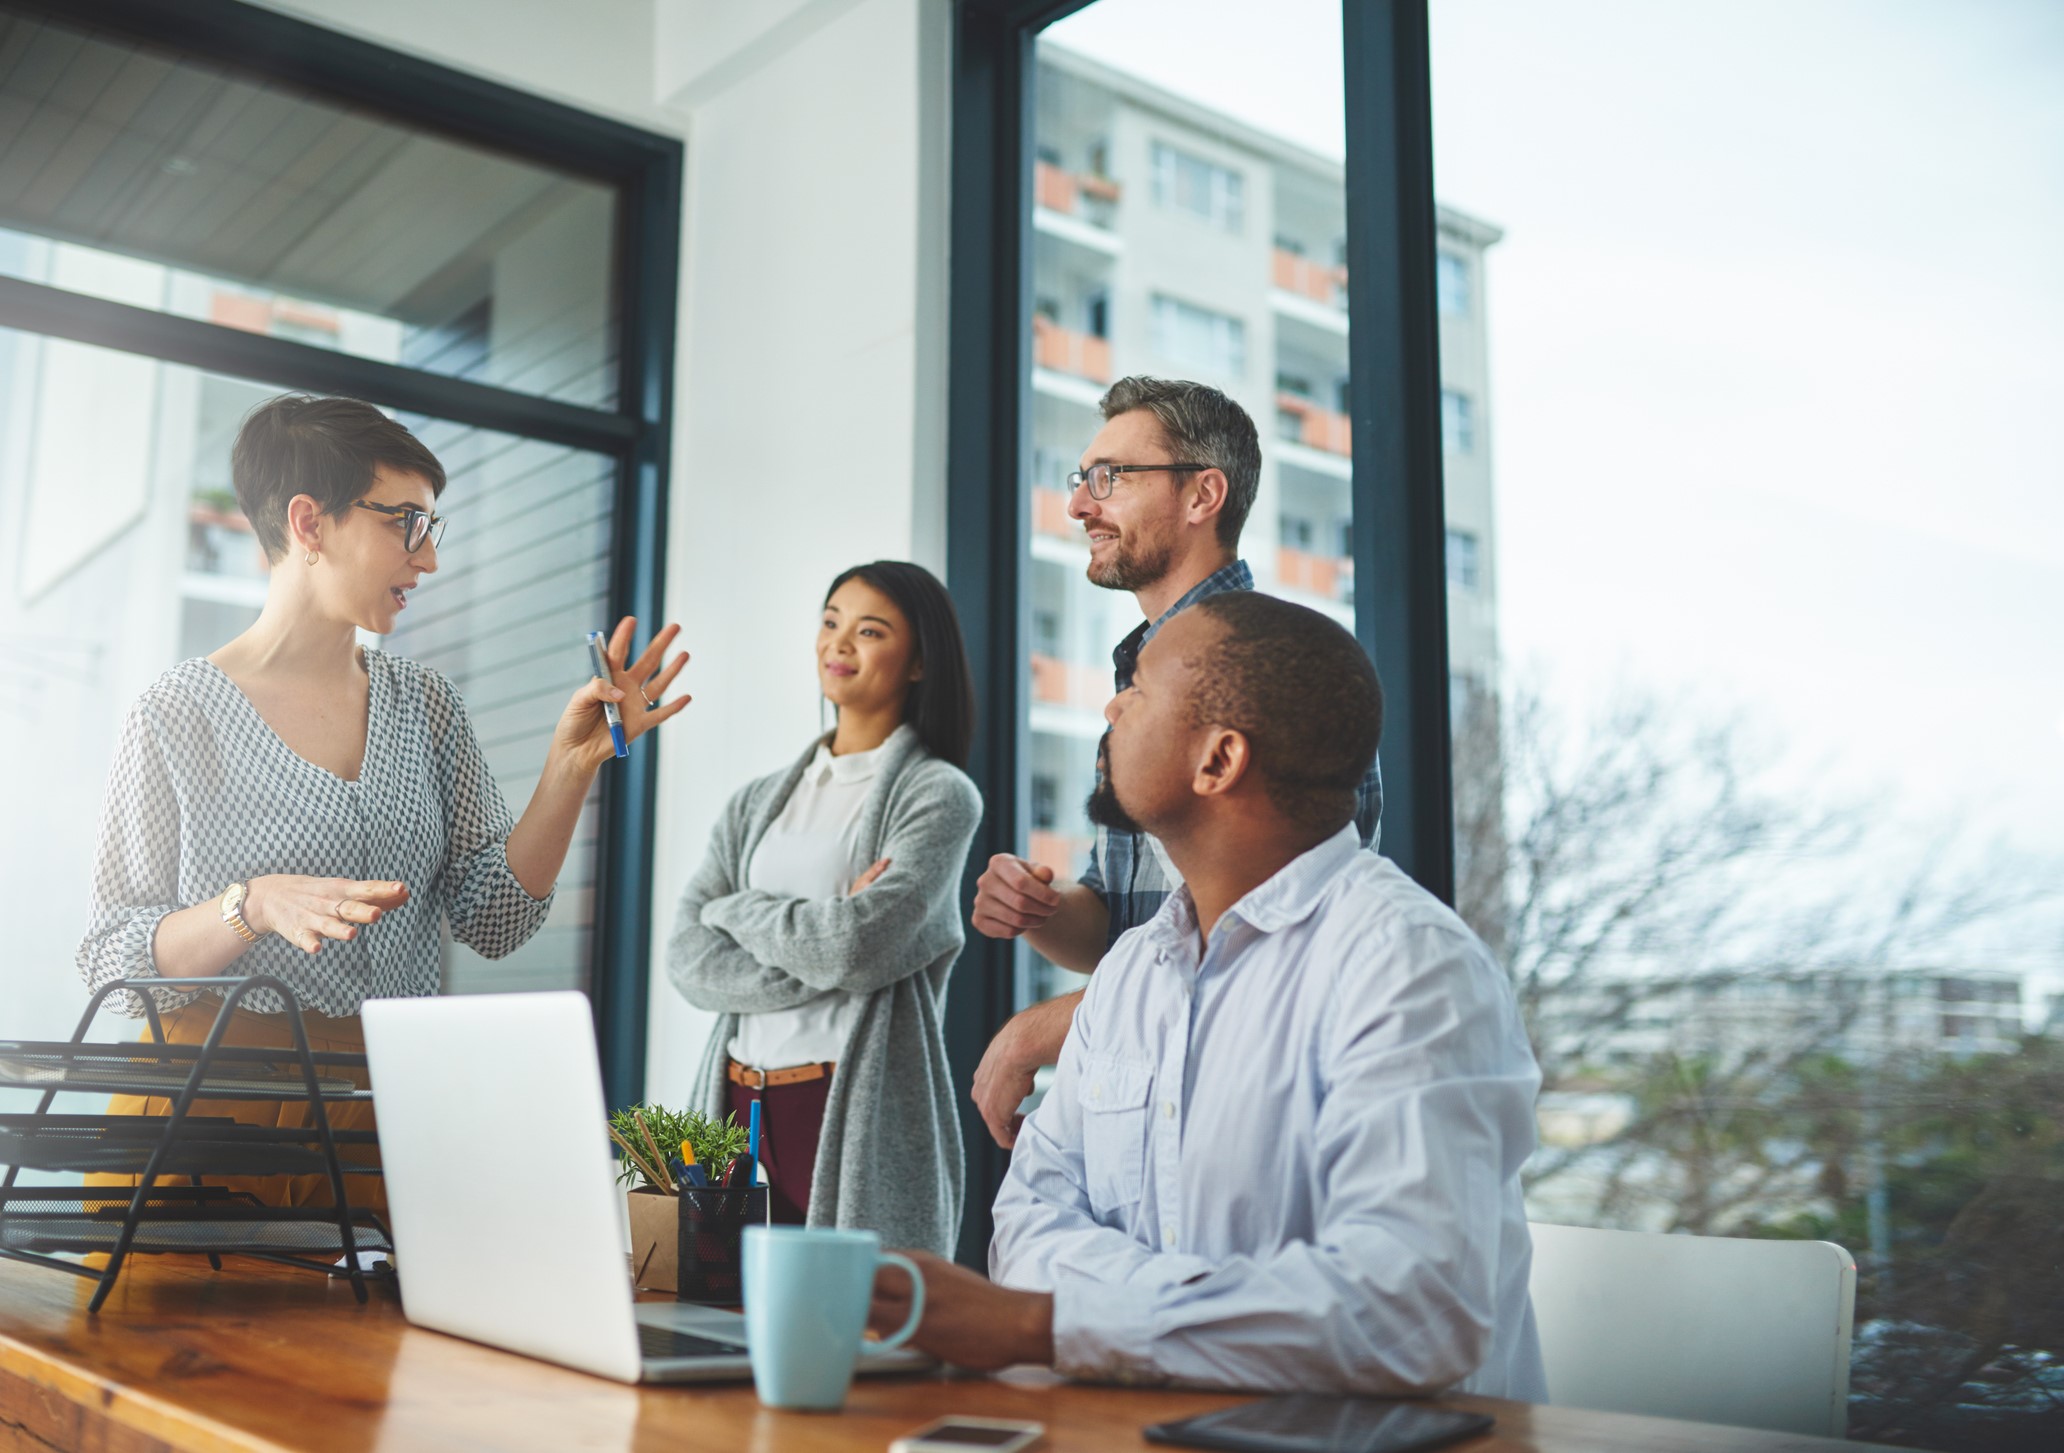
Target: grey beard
<point>1132,570</point>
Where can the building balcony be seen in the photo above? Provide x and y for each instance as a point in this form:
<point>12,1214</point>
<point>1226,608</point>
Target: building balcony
<point>1050,515</point>
<point>1093,199</point>
<point>1301,421</point>
<point>1063,683</point>
<point>1329,577</point>
<point>1303,278</point>
<point>277,317</point>
<point>1063,350</point>
<point>1060,851</point>
<point>219,541</point>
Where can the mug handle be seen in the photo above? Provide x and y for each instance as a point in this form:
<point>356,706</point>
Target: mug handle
<point>903,1333</point>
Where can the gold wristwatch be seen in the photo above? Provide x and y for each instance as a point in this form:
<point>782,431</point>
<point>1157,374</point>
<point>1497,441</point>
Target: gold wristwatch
<point>233,911</point>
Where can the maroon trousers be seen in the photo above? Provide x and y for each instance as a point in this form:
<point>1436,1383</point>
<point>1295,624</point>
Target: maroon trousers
<point>791,1118</point>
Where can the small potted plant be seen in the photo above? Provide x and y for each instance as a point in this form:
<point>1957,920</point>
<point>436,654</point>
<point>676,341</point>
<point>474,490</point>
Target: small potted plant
<point>647,1137</point>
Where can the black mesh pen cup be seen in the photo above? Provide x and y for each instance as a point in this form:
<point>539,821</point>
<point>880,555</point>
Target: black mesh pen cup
<point>713,1222</point>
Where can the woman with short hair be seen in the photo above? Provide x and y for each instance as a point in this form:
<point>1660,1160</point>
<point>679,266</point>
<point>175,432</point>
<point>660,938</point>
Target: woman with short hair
<point>299,806</point>
<point>824,922</point>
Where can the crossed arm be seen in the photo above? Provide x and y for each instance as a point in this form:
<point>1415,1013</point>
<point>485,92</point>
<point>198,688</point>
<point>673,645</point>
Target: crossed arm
<point>738,950</point>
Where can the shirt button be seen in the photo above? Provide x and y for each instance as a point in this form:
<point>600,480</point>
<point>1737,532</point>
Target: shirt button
<point>1096,1092</point>
<point>1168,1108</point>
<point>1168,1235</point>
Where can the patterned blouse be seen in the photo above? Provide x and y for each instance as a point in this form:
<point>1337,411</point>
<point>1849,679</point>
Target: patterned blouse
<point>204,794</point>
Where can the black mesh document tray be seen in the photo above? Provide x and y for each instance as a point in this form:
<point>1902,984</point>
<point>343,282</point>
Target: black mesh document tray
<point>123,1144</point>
<point>160,1069</point>
<point>52,1220</point>
<point>153,1213</point>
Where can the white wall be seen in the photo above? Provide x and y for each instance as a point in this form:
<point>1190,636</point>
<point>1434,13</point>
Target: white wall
<point>809,426</point>
<point>800,362</point>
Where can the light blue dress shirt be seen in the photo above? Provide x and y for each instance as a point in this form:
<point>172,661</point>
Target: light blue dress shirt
<point>1291,1163</point>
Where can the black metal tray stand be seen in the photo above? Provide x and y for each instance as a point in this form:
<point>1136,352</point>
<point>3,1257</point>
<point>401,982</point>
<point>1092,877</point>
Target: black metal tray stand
<point>41,1224</point>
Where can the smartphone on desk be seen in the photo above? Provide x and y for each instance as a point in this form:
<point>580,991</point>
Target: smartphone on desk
<point>971,1435</point>
<point>1308,1423</point>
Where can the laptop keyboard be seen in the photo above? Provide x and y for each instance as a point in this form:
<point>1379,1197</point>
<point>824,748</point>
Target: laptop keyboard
<point>666,1342</point>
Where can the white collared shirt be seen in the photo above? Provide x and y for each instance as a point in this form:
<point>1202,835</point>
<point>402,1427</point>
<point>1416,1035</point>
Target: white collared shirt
<point>811,851</point>
<point>1291,1163</point>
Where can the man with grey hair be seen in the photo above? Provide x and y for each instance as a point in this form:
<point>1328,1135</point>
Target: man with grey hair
<point>1162,492</point>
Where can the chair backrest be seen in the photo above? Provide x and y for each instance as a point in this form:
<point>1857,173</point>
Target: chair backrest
<point>1716,1329</point>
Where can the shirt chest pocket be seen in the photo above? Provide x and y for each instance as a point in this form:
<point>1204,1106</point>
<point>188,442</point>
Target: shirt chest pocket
<point>1115,1096</point>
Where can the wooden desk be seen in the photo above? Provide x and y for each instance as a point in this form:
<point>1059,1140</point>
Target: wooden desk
<point>263,1357</point>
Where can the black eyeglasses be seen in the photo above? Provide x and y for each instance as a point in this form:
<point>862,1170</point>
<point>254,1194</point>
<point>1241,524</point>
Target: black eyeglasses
<point>417,525</point>
<point>1101,478</point>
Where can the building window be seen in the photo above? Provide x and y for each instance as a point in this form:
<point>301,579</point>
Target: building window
<point>1204,189</point>
<point>1458,422</point>
<point>1046,797</point>
<point>1451,285</point>
<point>1464,571</point>
<point>1198,340</point>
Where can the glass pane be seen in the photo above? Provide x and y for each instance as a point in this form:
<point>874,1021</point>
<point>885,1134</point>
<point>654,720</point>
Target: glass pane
<point>124,552</point>
<point>1190,221</point>
<point>164,181</point>
<point>1756,667</point>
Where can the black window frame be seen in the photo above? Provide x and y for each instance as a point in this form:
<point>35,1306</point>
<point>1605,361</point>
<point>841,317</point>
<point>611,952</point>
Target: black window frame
<point>1400,542</point>
<point>646,169</point>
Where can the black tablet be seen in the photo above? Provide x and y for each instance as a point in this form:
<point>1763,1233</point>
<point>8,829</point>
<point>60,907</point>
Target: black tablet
<point>1306,1423</point>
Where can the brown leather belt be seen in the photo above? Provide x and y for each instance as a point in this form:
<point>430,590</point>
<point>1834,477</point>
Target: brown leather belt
<point>754,1079</point>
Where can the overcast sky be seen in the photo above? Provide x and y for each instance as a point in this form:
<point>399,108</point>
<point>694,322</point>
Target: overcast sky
<point>1777,354</point>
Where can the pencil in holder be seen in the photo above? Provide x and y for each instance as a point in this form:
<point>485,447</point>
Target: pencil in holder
<point>713,1222</point>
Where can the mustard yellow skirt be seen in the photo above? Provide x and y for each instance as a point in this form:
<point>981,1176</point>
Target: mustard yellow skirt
<point>191,1024</point>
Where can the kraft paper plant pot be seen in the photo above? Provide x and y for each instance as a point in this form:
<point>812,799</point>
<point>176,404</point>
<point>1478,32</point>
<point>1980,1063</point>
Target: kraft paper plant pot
<point>655,1239</point>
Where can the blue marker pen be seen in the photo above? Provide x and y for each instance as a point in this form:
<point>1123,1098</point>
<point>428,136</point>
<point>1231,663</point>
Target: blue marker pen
<point>599,657</point>
<point>752,1146</point>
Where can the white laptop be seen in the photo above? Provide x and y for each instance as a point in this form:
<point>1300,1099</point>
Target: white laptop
<point>502,1196</point>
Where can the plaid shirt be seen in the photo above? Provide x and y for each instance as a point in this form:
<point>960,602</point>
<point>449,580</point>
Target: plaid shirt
<point>1130,871</point>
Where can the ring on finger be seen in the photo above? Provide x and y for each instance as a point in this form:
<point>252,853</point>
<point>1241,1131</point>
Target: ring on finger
<point>650,704</point>
<point>340,907</point>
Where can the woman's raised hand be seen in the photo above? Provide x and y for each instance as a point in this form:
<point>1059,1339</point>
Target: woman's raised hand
<point>638,687</point>
<point>305,911</point>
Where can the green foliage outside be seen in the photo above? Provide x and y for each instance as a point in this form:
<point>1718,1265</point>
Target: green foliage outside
<point>1956,1165</point>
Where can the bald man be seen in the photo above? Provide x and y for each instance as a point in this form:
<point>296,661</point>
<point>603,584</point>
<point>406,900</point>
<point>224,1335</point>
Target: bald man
<point>1282,1147</point>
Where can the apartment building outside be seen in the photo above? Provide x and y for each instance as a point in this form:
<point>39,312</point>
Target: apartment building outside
<point>1866,1018</point>
<point>1170,239</point>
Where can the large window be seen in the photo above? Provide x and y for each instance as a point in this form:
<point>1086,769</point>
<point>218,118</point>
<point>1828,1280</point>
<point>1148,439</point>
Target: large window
<point>1264,319</point>
<point>1758,712</point>
<point>1207,176</point>
<point>184,234</point>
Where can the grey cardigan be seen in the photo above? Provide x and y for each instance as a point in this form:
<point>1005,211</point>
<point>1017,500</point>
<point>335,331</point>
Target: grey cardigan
<point>889,1158</point>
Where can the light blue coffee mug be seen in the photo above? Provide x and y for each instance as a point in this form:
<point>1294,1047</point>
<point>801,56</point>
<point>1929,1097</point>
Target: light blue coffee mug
<point>806,1296</point>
